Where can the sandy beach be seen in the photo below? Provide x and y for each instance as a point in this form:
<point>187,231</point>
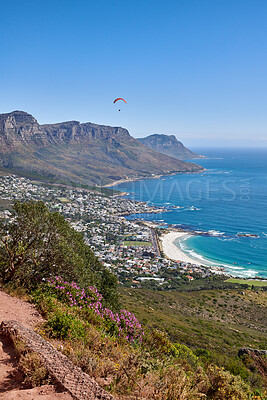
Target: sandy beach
<point>141,178</point>
<point>175,253</point>
<point>171,250</point>
<point>114,183</point>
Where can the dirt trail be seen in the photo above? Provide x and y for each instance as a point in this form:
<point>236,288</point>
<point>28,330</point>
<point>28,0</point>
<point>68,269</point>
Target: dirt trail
<point>12,308</point>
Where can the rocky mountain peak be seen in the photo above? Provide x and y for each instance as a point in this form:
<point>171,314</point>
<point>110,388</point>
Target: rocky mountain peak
<point>169,145</point>
<point>18,118</point>
<point>18,125</point>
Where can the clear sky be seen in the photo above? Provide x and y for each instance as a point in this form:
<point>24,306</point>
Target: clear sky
<point>193,68</point>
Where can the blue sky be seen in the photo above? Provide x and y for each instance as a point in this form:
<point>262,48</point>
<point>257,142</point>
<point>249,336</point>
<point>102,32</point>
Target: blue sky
<point>192,68</point>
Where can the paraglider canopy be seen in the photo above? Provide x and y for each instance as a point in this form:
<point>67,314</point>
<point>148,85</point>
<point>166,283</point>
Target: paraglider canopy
<point>119,98</point>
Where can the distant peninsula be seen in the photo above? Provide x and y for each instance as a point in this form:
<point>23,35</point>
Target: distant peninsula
<point>84,153</point>
<point>170,146</point>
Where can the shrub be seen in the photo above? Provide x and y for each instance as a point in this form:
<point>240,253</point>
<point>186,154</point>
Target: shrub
<point>30,365</point>
<point>62,325</point>
<point>33,369</point>
<point>121,324</point>
<point>236,367</point>
<point>203,354</point>
<point>184,353</point>
<point>37,243</point>
<point>224,386</point>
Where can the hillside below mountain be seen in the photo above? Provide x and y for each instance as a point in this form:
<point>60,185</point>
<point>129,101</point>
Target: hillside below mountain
<point>169,145</point>
<point>84,153</point>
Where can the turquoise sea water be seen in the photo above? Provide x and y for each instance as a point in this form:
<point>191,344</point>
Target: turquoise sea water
<point>229,199</point>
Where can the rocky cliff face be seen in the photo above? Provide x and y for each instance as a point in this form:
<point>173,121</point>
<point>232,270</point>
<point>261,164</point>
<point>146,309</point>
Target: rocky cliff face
<point>83,153</point>
<point>18,126</point>
<point>169,145</point>
<point>15,128</point>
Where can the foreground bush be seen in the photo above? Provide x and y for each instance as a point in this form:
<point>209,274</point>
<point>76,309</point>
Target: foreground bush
<point>108,346</point>
<point>122,324</point>
<point>37,243</point>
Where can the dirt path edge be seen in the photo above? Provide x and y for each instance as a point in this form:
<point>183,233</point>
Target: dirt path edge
<point>70,377</point>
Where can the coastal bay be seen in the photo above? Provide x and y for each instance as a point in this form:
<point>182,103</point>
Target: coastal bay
<point>227,201</point>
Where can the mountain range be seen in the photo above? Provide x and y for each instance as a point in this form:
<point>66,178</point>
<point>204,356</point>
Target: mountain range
<point>84,153</point>
<point>169,145</point>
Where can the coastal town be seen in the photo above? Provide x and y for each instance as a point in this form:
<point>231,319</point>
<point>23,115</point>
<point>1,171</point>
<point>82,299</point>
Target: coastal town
<point>135,250</point>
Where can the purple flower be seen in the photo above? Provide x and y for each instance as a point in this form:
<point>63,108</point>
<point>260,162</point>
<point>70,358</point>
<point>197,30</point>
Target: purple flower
<point>127,324</point>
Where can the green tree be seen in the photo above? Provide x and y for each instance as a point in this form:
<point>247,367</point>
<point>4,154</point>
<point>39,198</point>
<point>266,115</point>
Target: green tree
<point>37,243</point>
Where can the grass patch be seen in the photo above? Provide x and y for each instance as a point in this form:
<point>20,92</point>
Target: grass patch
<point>63,199</point>
<point>249,282</point>
<point>136,243</point>
<point>194,319</point>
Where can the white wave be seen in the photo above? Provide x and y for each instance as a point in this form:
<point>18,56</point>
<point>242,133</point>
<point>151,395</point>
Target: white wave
<point>212,232</point>
<point>236,270</point>
<point>180,210</point>
<point>196,255</point>
<point>214,171</point>
<point>182,240</point>
<point>235,267</point>
<point>188,208</point>
<point>228,239</point>
<point>250,272</point>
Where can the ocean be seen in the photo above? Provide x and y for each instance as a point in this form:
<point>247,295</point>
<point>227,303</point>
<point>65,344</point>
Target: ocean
<point>228,200</point>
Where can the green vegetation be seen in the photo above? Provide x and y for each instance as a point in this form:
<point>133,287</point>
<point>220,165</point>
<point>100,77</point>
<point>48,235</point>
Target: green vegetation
<point>151,368</point>
<point>30,366</point>
<point>249,282</point>
<point>214,323</point>
<point>55,182</point>
<point>175,279</point>
<point>58,184</point>
<point>38,243</point>
<point>136,243</point>
<point>161,345</point>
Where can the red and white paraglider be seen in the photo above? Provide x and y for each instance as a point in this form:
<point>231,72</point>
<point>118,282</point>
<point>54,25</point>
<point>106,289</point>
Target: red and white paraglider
<point>119,99</point>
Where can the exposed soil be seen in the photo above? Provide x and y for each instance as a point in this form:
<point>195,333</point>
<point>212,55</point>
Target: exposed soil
<point>12,308</point>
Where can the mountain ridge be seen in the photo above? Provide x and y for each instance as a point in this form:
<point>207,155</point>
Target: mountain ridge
<point>169,145</point>
<point>85,153</point>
